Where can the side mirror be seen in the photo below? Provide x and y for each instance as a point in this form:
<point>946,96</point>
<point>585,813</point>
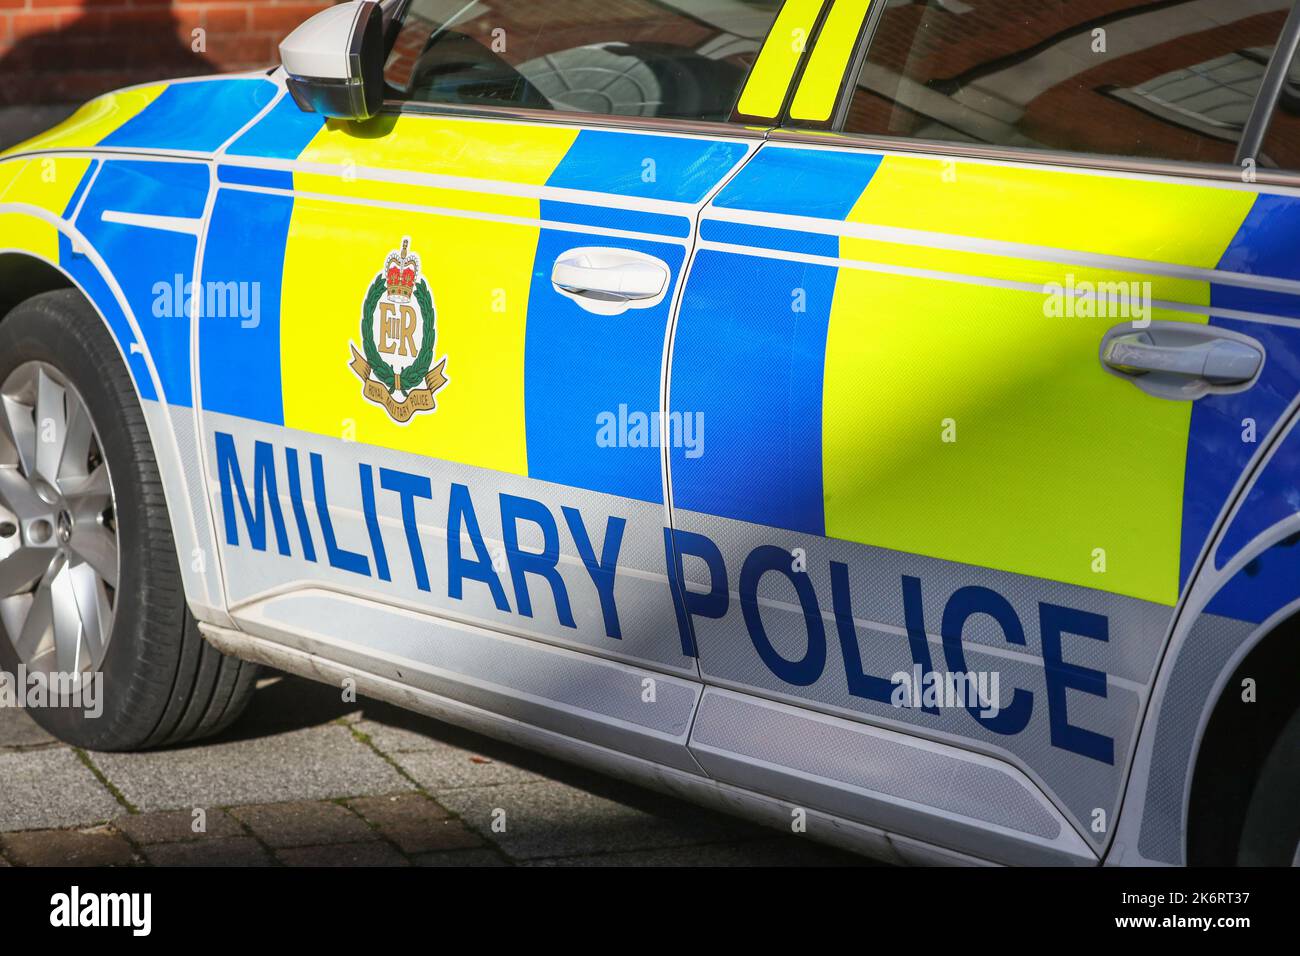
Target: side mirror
<point>335,61</point>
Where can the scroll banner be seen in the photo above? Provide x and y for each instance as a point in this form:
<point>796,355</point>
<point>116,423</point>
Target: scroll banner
<point>417,400</point>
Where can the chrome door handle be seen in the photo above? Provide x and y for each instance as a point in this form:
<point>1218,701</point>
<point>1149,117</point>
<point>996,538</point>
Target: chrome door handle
<point>1182,361</point>
<point>610,281</point>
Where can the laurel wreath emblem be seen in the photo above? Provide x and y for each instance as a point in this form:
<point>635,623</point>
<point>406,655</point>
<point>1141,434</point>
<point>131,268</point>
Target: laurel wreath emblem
<point>414,373</point>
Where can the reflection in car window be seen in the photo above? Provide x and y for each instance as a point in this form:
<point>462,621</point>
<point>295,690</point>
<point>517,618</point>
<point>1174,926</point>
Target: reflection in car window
<point>1281,148</point>
<point>679,59</point>
<point>1171,80</point>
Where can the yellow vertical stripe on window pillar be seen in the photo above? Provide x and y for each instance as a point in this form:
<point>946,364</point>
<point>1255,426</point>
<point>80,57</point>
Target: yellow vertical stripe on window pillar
<point>765,90</point>
<point>820,86</point>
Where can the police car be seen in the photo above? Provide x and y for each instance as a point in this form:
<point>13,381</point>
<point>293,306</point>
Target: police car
<point>873,417</point>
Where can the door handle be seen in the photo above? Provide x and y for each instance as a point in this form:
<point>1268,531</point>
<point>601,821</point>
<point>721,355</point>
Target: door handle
<point>610,281</point>
<point>1182,361</point>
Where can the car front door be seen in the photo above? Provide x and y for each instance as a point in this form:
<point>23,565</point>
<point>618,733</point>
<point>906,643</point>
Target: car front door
<point>450,399</point>
<point>960,415</point>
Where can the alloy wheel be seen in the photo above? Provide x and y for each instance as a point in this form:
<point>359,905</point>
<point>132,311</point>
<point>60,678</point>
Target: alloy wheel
<point>59,557</point>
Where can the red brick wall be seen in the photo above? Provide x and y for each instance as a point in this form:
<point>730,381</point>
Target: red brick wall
<point>941,48</point>
<point>62,51</point>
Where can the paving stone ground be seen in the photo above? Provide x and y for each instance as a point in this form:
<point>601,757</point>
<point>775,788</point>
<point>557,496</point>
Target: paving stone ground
<point>303,779</point>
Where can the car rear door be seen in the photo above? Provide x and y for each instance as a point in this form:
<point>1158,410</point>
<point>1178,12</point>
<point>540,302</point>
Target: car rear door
<point>935,328</point>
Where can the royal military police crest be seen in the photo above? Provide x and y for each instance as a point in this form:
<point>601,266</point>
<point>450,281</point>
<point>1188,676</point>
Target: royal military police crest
<point>395,363</point>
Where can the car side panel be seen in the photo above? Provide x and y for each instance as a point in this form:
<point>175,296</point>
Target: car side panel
<point>116,199</point>
<point>1248,586</point>
<point>950,478</point>
<point>309,212</point>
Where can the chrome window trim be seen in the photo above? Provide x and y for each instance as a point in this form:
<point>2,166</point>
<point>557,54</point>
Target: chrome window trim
<point>736,128</point>
<point>556,118</point>
<point>1044,157</point>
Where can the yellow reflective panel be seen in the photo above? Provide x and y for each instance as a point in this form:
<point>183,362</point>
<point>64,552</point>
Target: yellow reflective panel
<point>479,272</point>
<point>8,173</point>
<point>94,121</point>
<point>29,234</point>
<point>1112,283</point>
<point>975,423</point>
<point>46,181</point>
<point>1173,222</point>
<point>369,190</point>
<point>506,152</point>
<point>961,423</point>
<point>820,86</point>
<point>765,90</point>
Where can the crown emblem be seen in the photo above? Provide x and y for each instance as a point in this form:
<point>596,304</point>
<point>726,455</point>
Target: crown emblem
<point>396,362</point>
<point>400,272</point>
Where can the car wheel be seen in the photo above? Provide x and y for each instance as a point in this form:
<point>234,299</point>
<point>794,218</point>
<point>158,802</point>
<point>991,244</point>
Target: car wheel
<point>1270,835</point>
<point>91,599</point>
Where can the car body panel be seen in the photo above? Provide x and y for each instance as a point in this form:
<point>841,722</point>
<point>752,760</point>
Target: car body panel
<point>526,388</point>
<point>93,122</point>
<point>154,198</point>
<point>890,298</point>
<point>1247,589</point>
<point>284,482</point>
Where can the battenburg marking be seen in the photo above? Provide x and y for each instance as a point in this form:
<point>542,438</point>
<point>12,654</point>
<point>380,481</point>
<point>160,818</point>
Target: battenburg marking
<point>397,338</point>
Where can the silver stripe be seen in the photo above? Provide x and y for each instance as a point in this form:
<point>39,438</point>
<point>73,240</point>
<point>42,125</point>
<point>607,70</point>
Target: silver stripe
<point>998,247</point>
<point>181,224</point>
<point>1209,174</point>
<point>913,272</point>
<point>552,224</point>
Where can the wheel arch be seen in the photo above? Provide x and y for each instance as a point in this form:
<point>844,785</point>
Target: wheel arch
<point>1257,698</point>
<point>23,275</point>
<point>1239,619</point>
<point>27,272</point>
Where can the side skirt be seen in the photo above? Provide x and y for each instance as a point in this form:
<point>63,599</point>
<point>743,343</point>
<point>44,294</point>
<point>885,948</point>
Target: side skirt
<point>761,809</point>
<point>677,781</point>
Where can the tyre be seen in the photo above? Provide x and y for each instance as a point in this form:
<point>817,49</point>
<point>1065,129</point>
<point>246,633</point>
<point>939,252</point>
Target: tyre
<point>1271,833</point>
<point>91,598</point>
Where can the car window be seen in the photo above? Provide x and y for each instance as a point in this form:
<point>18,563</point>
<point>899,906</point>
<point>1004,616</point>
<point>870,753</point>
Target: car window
<point>657,58</point>
<point>1121,77</point>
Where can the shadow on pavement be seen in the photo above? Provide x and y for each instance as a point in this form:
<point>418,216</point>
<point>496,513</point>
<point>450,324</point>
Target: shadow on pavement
<point>285,703</point>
